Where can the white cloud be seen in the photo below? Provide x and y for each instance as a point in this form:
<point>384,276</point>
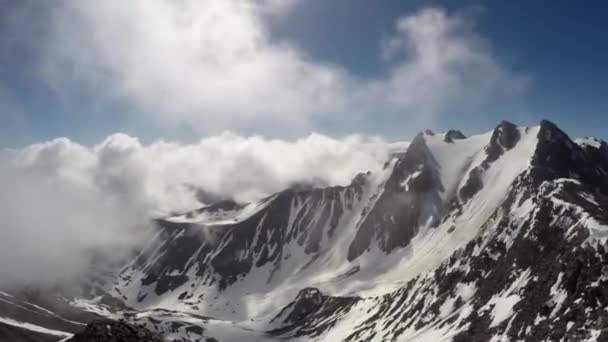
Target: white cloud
<point>55,223</point>
<point>64,203</point>
<point>214,65</point>
<point>440,60</point>
<point>161,175</point>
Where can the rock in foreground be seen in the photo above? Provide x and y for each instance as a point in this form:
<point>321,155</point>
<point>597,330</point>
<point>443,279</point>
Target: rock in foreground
<point>115,331</point>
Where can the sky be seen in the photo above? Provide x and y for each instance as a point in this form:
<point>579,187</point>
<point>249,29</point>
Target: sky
<point>182,70</point>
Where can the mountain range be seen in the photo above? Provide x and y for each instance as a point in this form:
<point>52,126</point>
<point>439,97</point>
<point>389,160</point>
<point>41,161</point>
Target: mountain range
<point>500,236</point>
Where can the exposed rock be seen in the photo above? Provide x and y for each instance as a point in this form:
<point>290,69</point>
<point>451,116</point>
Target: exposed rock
<point>505,137</point>
<point>11,333</point>
<point>395,217</point>
<point>115,331</point>
<point>452,135</point>
<point>307,301</point>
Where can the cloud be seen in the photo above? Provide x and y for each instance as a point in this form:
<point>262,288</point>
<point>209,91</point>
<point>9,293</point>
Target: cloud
<point>440,60</point>
<point>214,65</point>
<point>65,204</point>
<point>162,175</point>
<point>55,224</point>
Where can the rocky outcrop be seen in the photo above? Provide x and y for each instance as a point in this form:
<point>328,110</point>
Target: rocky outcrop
<point>411,196</point>
<point>504,137</point>
<point>115,331</point>
<point>452,135</point>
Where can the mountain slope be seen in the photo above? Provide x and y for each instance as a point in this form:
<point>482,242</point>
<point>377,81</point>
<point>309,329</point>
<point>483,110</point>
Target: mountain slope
<point>337,239</point>
<point>537,270</point>
<point>496,237</point>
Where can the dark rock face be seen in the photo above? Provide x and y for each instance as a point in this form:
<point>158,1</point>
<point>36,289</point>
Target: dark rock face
<point>505,137</point>
<point>18,307</point>
<point>40,308</point>
<point>11,333</point>
<point>599,153</point>
<point>473,184</point>
<point>557,156</point>
<point>307,301</point>
<point>113,331</point>
<point>398,212</point>
<point>253,242</point>
<point>452,135</point>
<point>219,205</point>
<point>564,274</point>
<point>603,150</point>
<point>312,314</point>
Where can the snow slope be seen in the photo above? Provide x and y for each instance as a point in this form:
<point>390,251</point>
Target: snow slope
<point>35,328</point>
<point>496,237</point>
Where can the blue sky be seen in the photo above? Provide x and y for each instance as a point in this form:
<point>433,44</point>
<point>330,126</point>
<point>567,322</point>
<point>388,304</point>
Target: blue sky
<point>561,44</point>
<point>557,48</point>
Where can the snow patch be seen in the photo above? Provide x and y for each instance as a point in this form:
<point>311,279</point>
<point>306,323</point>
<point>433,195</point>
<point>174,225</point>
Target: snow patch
<point>33,327</point>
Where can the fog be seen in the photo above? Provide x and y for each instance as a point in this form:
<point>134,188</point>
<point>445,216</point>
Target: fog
<point>64,203</point>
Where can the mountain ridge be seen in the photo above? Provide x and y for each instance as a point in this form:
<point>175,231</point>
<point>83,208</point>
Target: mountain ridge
<point>496,236</point>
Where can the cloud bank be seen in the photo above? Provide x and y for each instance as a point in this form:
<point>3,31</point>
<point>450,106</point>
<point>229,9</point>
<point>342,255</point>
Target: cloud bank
<point>55,223</point>
<point>214,65</point>
<point>65,204</point>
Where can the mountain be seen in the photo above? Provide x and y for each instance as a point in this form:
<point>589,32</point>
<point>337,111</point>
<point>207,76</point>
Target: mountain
<point>495,237</point>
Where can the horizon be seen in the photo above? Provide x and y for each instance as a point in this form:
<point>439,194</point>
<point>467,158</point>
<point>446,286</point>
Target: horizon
<point>294,139</point>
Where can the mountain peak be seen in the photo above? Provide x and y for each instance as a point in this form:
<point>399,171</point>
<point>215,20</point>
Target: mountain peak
<point>557,156</point>
<point>506,134</point>
<point>452,135</point>
<point>504,137</point>
<point>419,139</point>
<point>550,132</point>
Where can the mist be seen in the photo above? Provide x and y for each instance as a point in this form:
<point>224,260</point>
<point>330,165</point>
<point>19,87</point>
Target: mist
<point>54,226</point>
<point>64,204</point>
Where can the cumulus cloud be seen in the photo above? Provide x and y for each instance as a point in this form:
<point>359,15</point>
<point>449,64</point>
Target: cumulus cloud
<point>64,204</point>
<point>215,65</point>
<point>440,60</point>
<point>163,176</point>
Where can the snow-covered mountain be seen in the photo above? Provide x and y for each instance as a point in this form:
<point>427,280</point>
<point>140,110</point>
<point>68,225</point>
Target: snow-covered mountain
<point>495,237</point>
